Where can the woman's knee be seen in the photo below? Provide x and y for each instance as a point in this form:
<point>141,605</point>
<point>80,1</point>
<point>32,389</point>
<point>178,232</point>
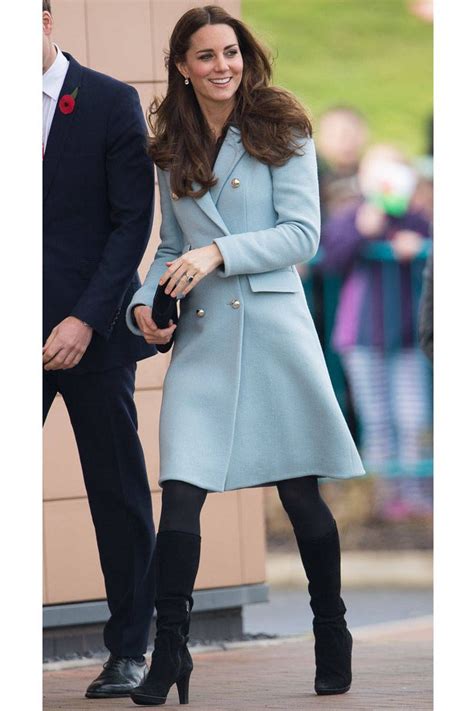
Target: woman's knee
<point>181,505</point>
<point>298,494</point>
<point>308,513</point>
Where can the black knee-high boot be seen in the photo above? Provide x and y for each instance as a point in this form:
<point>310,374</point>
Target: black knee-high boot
<point>177,562</point>
<point>321,559</point>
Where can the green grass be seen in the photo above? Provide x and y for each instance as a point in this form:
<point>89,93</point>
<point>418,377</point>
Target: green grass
<point>372,54</point>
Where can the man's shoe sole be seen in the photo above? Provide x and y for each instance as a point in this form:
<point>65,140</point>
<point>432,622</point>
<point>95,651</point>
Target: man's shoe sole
<point>109,695</point>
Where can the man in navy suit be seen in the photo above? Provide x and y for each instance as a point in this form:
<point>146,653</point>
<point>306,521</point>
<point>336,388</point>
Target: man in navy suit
<point>98,208</point>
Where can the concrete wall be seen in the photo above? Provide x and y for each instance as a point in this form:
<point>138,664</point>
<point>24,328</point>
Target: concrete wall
<point>126,38</point>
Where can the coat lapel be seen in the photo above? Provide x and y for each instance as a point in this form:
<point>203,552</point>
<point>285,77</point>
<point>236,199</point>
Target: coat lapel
<point>230,153</point>
<point>61,125</point>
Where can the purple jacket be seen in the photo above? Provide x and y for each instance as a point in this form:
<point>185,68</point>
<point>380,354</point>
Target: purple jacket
<point>379,298</point>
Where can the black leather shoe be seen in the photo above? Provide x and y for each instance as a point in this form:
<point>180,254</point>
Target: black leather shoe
<point>120,676</point>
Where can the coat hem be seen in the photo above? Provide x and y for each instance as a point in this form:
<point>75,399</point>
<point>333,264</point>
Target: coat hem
<point>265,481</point>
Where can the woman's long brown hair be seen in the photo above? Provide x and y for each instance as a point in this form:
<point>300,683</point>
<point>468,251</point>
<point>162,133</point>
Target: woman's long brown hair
<point>270,119</point>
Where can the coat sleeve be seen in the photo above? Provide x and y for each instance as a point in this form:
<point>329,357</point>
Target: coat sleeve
<point>130,188</point>
<point>295,237</point>
<point>171,247</point>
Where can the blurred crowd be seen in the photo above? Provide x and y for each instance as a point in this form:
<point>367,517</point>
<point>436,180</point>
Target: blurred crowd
<point>369,290</point>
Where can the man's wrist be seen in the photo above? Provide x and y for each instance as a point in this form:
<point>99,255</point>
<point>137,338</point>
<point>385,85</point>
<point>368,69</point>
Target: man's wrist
<point>84,323</point>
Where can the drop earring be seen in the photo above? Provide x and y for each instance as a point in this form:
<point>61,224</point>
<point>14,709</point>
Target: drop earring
<point>186,81</point>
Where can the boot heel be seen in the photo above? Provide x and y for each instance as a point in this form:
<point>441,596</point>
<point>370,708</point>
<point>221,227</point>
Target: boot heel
<point>183,688</point>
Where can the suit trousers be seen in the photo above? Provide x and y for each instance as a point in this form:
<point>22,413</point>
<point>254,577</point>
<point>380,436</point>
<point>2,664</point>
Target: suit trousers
<point>104,420</point>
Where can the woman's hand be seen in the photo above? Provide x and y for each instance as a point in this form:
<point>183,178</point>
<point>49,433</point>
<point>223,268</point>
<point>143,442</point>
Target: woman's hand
<point>189,269</point>
<point>151,332</point>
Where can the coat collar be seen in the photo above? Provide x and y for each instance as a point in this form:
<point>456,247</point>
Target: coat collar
<point>231,152</point>
<point>61,125</point>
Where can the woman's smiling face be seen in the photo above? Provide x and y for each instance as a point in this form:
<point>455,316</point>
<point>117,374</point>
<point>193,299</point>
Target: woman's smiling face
<point>213,64</point>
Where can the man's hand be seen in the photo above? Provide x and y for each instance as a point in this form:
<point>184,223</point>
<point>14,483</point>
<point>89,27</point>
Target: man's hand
<point>66,344</point>
<point>151,332</point>
<point>188,270</point>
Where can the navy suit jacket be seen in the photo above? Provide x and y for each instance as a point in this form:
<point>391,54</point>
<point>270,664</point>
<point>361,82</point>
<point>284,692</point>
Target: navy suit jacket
<point>98,190</point>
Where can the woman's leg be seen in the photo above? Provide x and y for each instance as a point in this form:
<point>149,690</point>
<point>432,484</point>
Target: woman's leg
<point>181,505</point>
<point>318,542</point>
<point>308,513</point>
<point>178,546</point>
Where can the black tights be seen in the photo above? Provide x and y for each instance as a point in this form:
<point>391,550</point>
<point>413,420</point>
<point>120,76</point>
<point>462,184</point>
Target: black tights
<point>310,517</point>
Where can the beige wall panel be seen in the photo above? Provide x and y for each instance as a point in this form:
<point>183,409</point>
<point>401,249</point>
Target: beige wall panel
<point>165,14</point>
<point>119,36</point>
<point>72,563</point>
<point>151,371</point>
<point>62,473</point>
<point>45,587</point>
<point>252,535</point>
<point>152,245</point>
<point>147,92</point>
<point>156,503</point>
<point>70,28</point>
<point>154,240</point>
<point>45,577</point>
<point>220,559</point>
<point>148,406</point>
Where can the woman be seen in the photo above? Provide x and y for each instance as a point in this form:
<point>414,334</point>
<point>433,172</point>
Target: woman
<point>247,400</point>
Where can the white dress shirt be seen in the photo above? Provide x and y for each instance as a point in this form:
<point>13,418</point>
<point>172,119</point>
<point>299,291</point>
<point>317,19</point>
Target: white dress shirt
<point>53,81</point>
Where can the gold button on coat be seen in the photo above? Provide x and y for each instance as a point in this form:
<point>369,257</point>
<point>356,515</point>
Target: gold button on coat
<point>235,304</point>
<point>235,182</point>
<point>200,313</point>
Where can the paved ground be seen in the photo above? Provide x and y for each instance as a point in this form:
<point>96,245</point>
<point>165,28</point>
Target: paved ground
<point>288,612</point>
<point>392,670</point>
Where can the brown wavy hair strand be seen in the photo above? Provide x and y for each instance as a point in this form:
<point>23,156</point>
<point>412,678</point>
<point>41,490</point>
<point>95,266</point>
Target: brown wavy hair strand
<point>270,119</point>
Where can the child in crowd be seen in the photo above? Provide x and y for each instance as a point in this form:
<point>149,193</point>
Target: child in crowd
<point>378,245</point>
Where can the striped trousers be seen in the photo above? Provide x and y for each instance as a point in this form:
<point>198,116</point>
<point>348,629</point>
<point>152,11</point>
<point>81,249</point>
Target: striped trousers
<point>391,393</point>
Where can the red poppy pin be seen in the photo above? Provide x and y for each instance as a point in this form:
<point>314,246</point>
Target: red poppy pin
<point>68,102</point>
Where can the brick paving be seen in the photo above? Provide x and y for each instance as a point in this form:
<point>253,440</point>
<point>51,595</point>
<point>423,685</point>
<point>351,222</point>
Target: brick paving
<point>392,670</point>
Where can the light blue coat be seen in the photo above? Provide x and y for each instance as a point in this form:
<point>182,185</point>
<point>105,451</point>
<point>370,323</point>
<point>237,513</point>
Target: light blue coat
<point>247,398</point>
